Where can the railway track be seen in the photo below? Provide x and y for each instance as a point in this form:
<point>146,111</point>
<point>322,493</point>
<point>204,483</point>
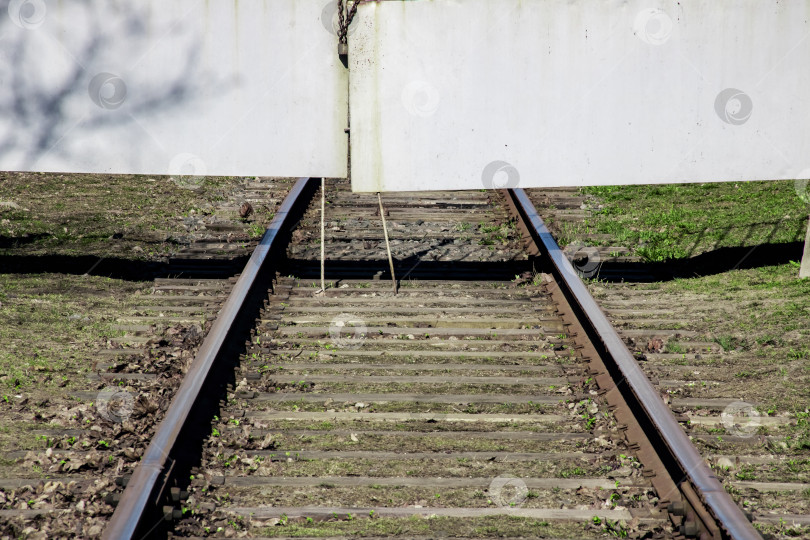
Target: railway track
<point>475,403</point>
<point>488,397</point>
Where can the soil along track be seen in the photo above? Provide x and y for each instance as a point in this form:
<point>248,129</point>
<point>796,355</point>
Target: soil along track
<point>126,226</point>
<point>88,364</point>
<point>729,353</point>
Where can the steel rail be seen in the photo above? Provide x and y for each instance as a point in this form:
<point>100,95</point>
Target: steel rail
<point>134,503</point>
<point>644,396</point>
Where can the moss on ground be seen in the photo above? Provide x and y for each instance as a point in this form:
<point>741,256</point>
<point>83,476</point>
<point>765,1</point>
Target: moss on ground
<point>50,326</point>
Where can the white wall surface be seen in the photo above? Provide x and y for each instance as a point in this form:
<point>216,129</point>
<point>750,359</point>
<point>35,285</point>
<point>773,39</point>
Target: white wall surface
<point>451,94</point>
<point>189,87</point>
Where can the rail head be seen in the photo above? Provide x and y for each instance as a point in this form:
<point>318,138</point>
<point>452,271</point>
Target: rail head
<point>693,468</point>
<point>126,520</point>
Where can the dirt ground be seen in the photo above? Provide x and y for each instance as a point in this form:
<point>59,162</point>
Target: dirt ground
<point>121,216</point>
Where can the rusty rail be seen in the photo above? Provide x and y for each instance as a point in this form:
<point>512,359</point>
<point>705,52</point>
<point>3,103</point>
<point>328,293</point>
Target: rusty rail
<point>704,499</point>
<point>146,486</point>
<point>699,488</point>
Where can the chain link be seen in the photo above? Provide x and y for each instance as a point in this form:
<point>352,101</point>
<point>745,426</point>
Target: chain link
<point>345,18</point>
<point>342,27</point>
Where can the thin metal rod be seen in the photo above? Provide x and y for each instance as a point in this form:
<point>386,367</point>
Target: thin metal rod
<point>804,269</point>
<point>387,244</point>
<point>323,234</point>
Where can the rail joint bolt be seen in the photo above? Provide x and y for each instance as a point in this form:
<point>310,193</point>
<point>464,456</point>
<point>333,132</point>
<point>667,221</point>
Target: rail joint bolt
<point>178,494</point>
<point>171,513</point>
<point>677,508</point>
<point>690,529</point>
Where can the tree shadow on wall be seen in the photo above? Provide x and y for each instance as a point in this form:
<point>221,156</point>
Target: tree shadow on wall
<point>68,73</point>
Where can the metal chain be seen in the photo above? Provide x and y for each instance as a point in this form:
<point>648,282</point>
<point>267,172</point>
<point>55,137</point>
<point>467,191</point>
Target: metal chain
<point>343,28</point>
<point>345,18</point>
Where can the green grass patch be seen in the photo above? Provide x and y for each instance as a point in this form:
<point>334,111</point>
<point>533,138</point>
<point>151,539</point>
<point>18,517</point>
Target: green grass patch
<point>675,221</point>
